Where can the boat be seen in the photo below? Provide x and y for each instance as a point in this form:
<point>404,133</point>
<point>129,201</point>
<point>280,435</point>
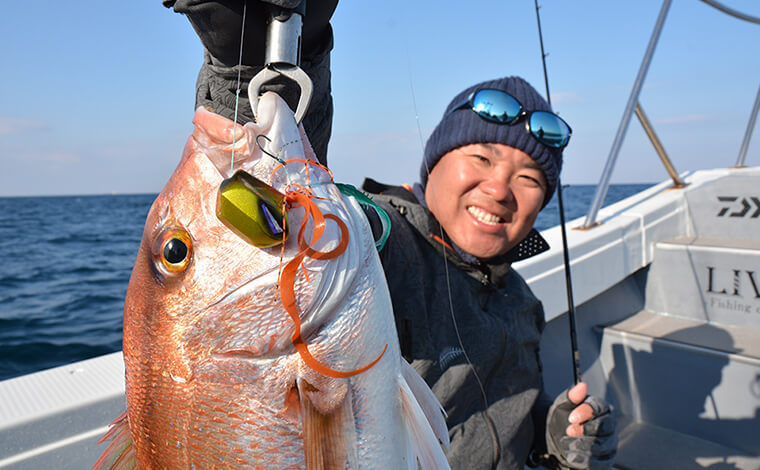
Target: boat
<point>673,341</point>
<point>668,306</point>
<point>666,287</point>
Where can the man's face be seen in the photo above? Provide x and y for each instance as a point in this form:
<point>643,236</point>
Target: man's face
<point>486,197</point>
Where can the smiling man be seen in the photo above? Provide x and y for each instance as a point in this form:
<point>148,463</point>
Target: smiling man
<point>486,197</point>
<point>467,322</point>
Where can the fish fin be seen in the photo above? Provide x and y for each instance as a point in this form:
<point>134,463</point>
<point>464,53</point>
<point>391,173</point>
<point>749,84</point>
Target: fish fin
<point>329,438</point>
<point>424,421</point>
<point>120,453</point>
<point>430,405</point>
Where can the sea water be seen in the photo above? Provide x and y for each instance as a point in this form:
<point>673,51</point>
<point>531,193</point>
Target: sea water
<point>65,264</point>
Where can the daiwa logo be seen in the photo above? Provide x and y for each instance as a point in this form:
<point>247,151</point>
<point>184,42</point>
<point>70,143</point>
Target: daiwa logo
<point>742,208</point>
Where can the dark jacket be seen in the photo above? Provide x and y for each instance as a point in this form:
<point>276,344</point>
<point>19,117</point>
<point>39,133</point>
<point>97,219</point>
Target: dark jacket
<point>498,320</point>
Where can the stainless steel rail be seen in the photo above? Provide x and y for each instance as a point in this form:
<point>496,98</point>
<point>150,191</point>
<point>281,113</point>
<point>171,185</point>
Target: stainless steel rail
<point>633,104</point>
<point>604,183</point>
<point>732,12</point>
<point>750,128</point>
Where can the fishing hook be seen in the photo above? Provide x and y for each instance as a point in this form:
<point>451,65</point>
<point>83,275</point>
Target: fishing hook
<point>266,152</point>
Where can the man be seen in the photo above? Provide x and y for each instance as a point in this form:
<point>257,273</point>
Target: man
<point>467,322</point>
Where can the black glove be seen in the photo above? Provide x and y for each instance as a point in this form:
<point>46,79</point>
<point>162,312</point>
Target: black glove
<point>218,25</point>
<point>596,449</point>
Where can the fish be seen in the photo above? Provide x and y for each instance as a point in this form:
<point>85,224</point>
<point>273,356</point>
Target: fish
<point>266,347</point>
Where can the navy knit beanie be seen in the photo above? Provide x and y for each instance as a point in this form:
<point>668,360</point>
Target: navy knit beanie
<point>464,127</point>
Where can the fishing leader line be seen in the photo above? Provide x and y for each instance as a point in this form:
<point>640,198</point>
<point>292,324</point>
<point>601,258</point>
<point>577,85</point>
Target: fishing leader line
<point>237,103</point>
<point>237,91</point>
<point>440,227</point>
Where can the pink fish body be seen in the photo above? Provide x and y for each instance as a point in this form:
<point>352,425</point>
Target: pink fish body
<point>217,373</point>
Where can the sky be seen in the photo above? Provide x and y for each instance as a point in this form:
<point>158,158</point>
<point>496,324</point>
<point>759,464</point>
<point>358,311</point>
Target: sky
<point>98,97</point>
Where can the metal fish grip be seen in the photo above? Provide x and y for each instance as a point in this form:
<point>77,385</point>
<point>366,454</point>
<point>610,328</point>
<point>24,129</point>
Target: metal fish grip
<point>283,58</point>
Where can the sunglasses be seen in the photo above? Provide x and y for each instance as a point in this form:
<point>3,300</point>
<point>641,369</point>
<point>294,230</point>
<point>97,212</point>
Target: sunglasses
<point>502,108</point>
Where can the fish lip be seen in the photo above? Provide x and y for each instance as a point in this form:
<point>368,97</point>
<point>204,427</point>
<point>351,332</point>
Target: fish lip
<point>241,286</point>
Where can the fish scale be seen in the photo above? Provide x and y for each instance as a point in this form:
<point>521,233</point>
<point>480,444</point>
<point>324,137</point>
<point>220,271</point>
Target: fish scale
<point>233,429</point>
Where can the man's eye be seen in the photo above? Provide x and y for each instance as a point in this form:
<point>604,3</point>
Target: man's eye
<point>531,180</point>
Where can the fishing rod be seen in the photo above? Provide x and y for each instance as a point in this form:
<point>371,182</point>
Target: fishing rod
<point>565,256</point>
<point>474,371</point>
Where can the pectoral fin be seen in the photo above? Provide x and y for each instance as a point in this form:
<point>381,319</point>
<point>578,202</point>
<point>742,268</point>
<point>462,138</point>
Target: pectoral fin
<point>425,424</point>
<point>120,453</point>
<point>328,428</point>
<point>430,405</point>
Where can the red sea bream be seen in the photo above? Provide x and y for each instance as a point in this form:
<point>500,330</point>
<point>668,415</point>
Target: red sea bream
<point>280,357</point>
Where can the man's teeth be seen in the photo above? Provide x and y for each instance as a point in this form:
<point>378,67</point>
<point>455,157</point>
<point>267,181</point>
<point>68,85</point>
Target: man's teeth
<point>483,216</point>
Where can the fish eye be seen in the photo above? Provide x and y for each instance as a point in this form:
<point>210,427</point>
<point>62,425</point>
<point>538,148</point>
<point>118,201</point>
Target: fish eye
<point>175,251</point>
<point>172,251</point>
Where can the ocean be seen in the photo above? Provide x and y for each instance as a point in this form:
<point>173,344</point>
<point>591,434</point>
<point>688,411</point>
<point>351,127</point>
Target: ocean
<point>66,263</point>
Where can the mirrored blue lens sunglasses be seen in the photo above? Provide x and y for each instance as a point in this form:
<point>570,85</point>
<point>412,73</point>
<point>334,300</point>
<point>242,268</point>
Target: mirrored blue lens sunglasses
<point>502,108</point>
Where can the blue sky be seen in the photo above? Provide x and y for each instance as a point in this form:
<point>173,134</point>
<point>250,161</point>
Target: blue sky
<point>97,97</point>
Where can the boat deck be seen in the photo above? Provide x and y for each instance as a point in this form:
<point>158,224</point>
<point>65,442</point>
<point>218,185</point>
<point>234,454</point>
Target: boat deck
<point>53,418</point>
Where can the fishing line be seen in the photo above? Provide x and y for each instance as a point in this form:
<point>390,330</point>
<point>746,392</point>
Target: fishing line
<point>440,227</point>
<point>565,256</point>
<point>237,92</point>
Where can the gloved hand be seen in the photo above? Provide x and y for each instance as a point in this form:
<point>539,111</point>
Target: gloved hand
<point>581,430</point>
<point>219,27</point>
